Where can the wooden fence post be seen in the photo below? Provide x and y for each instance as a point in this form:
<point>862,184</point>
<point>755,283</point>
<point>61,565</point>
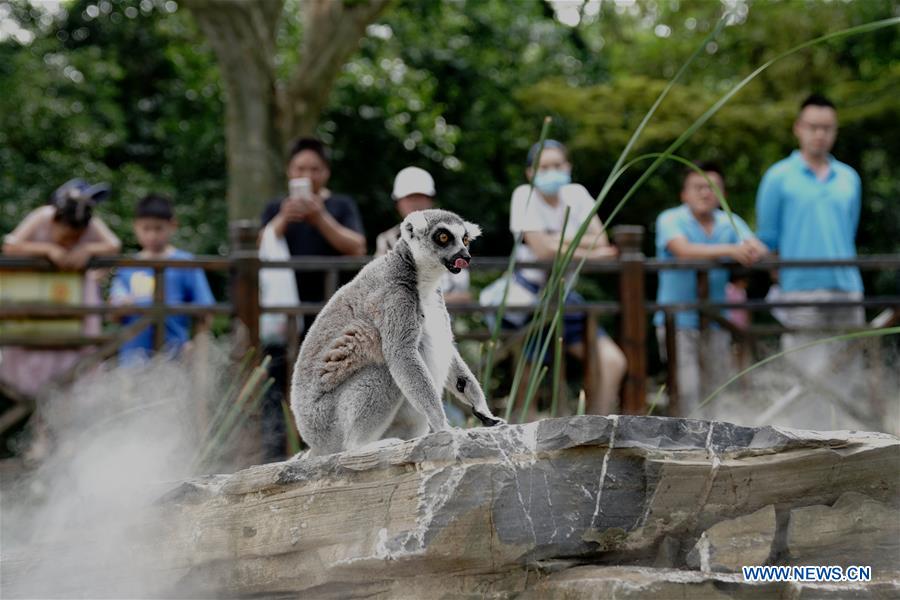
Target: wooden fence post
<point>628,238</point>
<point>159,303</point>
<point>245,287</point>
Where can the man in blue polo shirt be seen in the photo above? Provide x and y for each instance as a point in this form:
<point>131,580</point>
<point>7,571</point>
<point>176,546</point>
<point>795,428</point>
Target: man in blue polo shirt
<point>807,207</point>
<point>699,229</point>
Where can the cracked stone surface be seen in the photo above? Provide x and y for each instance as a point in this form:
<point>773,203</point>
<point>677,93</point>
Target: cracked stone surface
<point>513,511</point>
<point>730,544</point>
<point>855,530</point>
<point>489,503</point>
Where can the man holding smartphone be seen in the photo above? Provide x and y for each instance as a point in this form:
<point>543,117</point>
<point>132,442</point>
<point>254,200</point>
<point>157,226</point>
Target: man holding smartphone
<point>314,221</point>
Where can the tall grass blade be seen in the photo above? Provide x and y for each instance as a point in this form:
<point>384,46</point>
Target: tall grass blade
<point>293,438</point>
<point>557,360</point>
<point>532,388</point>
<point>501,310</point>
<point>536,331</point>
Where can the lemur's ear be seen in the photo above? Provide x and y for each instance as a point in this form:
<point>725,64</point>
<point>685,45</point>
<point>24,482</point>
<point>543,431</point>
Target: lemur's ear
<point>472,229</point>
<point>414,224</point>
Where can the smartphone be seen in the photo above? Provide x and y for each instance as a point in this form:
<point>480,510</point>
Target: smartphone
<point>300,188</point>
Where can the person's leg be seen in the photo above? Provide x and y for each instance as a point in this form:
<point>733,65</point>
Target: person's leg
<point>821,359</point>
<point>611,367</point>
<point>716,356</point>
<point>687,368</point>
<point>811,361</point>
<point>687,346</point>
<point>844,358</point>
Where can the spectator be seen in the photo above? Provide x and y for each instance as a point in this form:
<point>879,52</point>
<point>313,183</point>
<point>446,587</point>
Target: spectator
<point>314,222</point>
<point>807,207</point>
<point>539,217</point>
<point>319,223</point>
<point>699,229</point>
<point>66,232</point>
<point>154,226</point>
<point>414,190</point>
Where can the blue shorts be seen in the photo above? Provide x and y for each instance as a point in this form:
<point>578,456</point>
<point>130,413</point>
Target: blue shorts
<point>573,323</point>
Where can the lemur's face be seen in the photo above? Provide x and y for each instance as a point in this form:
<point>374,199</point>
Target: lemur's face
<point>440,238</point>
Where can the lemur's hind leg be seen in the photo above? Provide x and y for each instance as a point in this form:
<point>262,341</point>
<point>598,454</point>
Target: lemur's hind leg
<point>408,423</point>
<point>358,345</point>
<point>366,405</point>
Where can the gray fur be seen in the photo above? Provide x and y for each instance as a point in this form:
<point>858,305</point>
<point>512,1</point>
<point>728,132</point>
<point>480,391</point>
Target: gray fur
<point>368,366</point>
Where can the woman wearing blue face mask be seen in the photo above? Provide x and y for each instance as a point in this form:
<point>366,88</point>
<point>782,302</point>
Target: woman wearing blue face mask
<point>538,214</point>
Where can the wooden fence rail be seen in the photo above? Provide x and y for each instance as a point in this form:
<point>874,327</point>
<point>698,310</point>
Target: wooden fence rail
<point>633,308</point>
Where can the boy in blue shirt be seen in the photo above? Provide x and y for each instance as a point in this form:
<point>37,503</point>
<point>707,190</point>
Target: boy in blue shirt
<point>808,207</point>
<point>154,225</point>
<point>699,229</point>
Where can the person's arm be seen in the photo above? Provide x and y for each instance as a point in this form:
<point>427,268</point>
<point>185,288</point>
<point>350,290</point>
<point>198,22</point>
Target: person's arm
<point>544,246</point>
<point>18,242</point>
<point>457,297</point>
<point>525,219</point>
<point>746,253</point>
<point>855,207</point>
<point>595,239</point>
<point>280,214</point>
<point>342,238</point>
<point>593,245</point>
<point>456,288</point>
<point>97,240</point>
<point>768,211</point>
<point>102,241</point>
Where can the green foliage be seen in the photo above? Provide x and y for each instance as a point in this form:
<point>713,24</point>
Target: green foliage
<point>118,91</point>
<point>127,91</point>
<point>861,74</point>
<point>434,84</point>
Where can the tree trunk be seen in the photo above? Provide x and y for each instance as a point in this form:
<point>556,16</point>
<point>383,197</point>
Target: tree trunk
<point>262,116</point>
<point>331,33</point>
<point>242,34</point>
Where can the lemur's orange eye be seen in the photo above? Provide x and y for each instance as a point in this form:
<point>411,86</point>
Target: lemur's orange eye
<point>466,240</point>
<point>443,238</point>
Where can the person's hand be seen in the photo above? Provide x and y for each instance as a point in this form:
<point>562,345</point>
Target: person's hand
<point>293,210</point>
<point>605,252</point>
<point>760,248</point>
<point>77,259</point>
<point>744,254</point>
<point>57,255</point>
<point>313,207</point>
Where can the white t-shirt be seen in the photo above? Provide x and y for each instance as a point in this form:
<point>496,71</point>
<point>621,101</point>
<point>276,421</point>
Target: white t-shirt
<point>535,214</point>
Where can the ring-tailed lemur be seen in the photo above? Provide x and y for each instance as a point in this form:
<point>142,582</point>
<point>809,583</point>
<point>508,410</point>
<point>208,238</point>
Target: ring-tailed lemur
<point>376,360</point>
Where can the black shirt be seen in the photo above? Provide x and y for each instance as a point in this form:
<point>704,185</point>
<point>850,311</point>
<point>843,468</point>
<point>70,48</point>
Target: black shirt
<point>304,239</point>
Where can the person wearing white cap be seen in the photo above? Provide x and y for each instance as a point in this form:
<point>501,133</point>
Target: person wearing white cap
<point>414,190</point>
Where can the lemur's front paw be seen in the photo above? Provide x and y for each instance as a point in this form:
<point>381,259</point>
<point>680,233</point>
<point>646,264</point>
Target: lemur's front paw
<point>489,420</point>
